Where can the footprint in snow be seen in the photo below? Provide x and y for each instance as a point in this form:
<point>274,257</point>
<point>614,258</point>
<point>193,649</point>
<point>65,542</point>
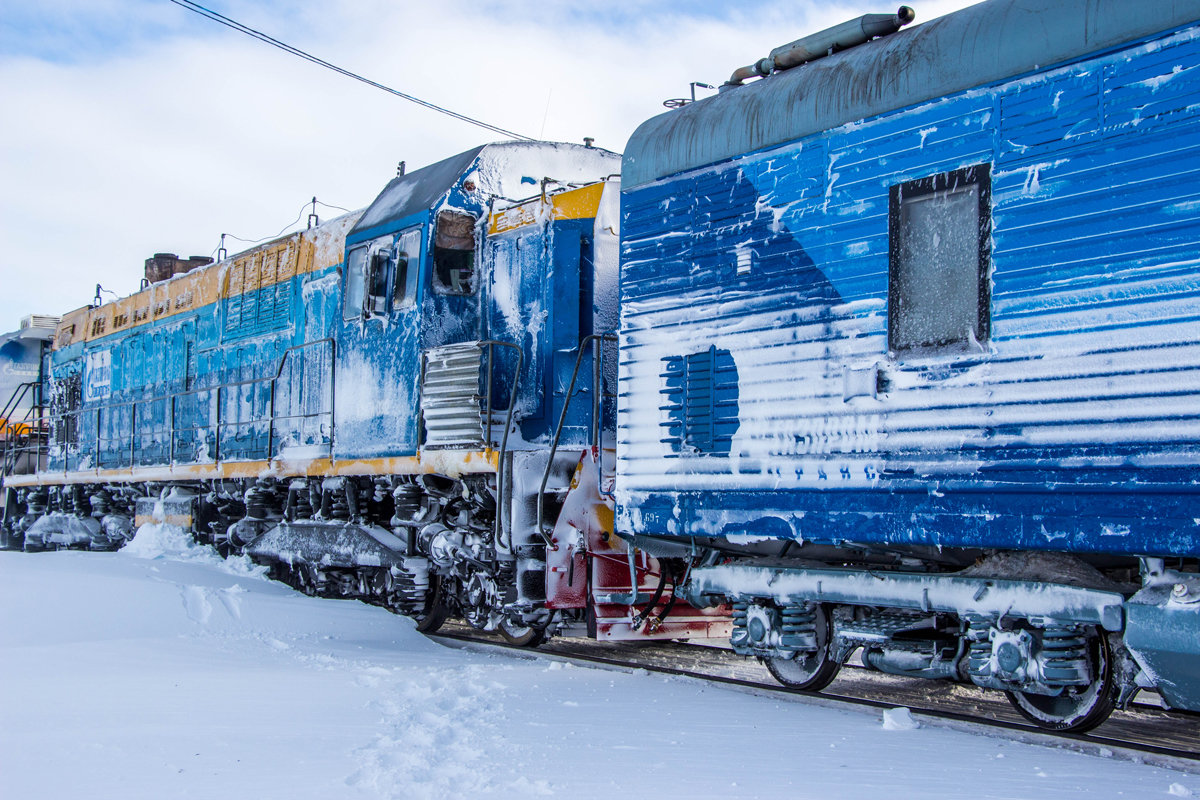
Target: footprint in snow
<point>229,598</point>
<point>195,602</point>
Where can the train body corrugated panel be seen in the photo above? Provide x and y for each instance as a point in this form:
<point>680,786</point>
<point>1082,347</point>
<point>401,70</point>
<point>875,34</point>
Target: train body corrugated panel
<point>1076,425</point>
<point>195,367</point>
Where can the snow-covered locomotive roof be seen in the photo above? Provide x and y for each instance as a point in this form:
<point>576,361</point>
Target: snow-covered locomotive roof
<point>973,47</point>
<point>506,170</point>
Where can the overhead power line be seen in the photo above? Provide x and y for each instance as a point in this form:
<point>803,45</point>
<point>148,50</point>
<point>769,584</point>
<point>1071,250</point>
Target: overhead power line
<point>287,48</point>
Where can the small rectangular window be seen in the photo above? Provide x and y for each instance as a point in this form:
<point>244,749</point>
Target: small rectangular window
<point>938,294</point>
<point>408,267</point>
<point>379,267</point>
<point>352,296</point>
<point>454,254</point>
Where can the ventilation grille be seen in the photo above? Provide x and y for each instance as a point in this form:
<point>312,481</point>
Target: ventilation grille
<point>450,397</point>
<point>702,401</point>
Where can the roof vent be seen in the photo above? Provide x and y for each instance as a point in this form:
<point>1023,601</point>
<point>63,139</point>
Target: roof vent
<point>42,321</point>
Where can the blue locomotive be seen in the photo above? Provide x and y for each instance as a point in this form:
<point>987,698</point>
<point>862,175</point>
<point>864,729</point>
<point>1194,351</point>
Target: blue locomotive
<point>909,367</point>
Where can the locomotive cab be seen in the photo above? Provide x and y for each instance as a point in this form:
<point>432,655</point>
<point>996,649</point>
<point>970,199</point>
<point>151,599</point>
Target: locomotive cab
<point>419,276</point>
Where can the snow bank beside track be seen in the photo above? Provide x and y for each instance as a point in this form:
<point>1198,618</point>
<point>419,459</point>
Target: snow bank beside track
<point>175,674</point>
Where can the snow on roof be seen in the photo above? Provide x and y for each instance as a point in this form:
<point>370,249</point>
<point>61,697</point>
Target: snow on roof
<point>506,170</point>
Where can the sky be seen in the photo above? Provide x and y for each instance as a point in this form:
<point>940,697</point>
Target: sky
<point>130,127</point>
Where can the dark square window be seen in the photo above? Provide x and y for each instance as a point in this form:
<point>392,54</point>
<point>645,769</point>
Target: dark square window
<point>939,231</point>
<point>454,254</point>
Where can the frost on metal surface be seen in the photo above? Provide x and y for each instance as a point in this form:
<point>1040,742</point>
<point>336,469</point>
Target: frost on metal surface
<point>992,597</point>
<point>1089,376</point>
<point>506,170</point>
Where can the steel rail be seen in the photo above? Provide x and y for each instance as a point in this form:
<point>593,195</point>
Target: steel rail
<point>1175,758</point>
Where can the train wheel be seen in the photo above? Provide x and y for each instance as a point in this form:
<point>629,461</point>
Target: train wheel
<point>521,635</point>
<point>434,615</point>
<point>1078,709</point>
<point>809,672</point>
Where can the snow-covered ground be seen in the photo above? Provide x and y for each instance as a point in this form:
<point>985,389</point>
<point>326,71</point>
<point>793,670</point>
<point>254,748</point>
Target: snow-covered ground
<point>162,672</point>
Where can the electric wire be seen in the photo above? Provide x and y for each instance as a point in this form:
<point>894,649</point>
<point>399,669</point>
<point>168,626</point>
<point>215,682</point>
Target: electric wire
<point>287,48</point>
<point>282,231</point>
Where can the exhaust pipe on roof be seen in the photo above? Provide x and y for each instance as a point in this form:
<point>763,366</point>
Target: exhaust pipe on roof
<point>818,45</point>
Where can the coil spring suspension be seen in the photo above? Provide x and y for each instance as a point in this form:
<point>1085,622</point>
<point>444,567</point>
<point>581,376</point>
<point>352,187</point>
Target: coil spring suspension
<point>1059,656</point>
<point>409,587</point>
<point>334,505</point>
<point>979,647</point>
<point>1064,657</point>
<point>760,629</point>
<point>79,502</point>
<point>37,501</point>
<point>101,502</point>
<point>299,500</point>
<point>256,501</point>
<point>406,499</point>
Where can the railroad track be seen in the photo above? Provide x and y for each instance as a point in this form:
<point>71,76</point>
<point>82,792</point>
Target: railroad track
<point>1145,732</point>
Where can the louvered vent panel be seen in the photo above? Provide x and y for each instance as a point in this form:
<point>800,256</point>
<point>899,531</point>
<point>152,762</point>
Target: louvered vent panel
<point>450,402</point>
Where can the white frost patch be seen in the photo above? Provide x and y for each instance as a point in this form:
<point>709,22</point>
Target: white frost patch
<point>748,538</point>
<point>1032,180</point>
<point>1185,207</point>
<point>158,540</point>
<point>899,719</point>
<point>1157,82</point>
<point>365,393</point>
<point>1179,790</point>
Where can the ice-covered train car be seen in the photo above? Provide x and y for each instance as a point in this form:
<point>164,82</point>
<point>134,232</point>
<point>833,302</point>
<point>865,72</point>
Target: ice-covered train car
<point>910,350</point>
<point>195,378</point>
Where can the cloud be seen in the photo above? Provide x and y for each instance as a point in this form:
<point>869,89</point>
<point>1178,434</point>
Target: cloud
<point>134,126</point>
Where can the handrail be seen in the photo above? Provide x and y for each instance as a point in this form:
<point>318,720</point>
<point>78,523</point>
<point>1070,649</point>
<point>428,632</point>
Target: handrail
<point>13,435</point>
<point>14,400</point>
<point>598,397</point>
<point>597,340</point>
<point>501,472</point>
<point>16,441</point>
<point>219,425</point>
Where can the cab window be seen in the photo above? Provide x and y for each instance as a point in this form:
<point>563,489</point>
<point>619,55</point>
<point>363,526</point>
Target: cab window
<point>368,267</point>
<point>454,254</point>
<point>379,267</point>
<point>408,267</point>
<point>352,297</point>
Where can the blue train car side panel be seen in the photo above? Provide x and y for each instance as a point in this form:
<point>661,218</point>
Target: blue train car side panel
<point>188,372</point>
<point>779,379</point>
